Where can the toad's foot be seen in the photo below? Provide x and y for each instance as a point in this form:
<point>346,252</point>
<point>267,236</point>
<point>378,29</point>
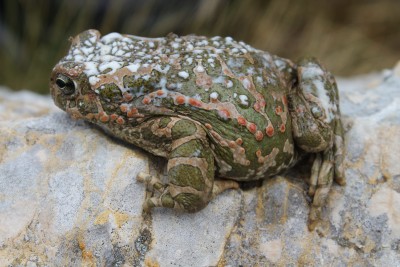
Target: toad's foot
<point>320,184</point>
<point>180,198</point>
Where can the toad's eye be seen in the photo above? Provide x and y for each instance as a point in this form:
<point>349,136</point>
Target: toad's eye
<point>316,112</point>
<point>65,84</point>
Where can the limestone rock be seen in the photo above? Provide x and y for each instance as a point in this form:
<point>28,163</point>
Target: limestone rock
<point>69,196</point>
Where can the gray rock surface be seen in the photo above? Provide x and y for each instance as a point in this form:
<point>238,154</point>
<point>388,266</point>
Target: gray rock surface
<point>69,197</point>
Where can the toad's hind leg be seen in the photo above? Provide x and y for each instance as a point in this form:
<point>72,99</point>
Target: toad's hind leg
<point>190,170</point>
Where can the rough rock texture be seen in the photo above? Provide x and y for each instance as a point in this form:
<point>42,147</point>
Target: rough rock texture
<point>69,197</point>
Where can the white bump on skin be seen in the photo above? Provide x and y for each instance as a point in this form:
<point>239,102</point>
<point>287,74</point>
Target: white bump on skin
<point>160,69</point>
<point>175,45</point>
<point>107,58</point>
<point>126,40</point>
<point>189,47</point>
<point>183,74</point>
<point>113,65</point>
<point>279,63</point>
<point>111,37</point>
<point>228,40</point>
<point>133,67</point>
<point>246,83</point>
<point>311,72</point>
<point>91,68</point>
<point>244,100</point>
<point>105,50</point>
<point>114,50</point>
<point>189,60</point>
<point>121,53</point>
<point>229,84</point>
<point>214,95</point>
<point>200,68</point>
<point>79,58</point>
<point>93,80</point>
<point>87,50</point>
<point>92,39</point>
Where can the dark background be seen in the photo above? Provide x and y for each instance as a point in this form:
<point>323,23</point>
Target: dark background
<point>349,36</point>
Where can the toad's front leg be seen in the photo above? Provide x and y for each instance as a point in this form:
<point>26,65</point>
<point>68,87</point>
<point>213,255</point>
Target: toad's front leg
<point>317,128</point>
<point>190,170</point>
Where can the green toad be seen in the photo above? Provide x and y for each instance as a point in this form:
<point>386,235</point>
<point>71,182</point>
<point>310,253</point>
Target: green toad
<point>210,106</point>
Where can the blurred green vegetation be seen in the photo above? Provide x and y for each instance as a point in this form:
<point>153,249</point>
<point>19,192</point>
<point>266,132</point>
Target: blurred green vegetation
<point>349,36</point>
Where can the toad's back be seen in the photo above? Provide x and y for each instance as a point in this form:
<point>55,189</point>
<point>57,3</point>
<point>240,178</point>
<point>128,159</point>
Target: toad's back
<point>236,92</point>
<point>206,105</point>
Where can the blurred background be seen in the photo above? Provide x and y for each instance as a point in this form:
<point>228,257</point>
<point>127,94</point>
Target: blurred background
<point>349,36</point>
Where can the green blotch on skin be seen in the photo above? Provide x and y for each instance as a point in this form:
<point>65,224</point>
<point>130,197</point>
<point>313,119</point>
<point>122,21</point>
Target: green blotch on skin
<point>186,175</point>
<point>210,160</point>
<point>140,85</point>
<point>167,201</point>
<point>309,140</point>
<point>86,107</point>
<point>183,128</point>
<point>111,93</point>
<point>192,148</point>
<point>148,135</point>
<point>190,202</point>
<point>164,122</point>
<point>106,71</point>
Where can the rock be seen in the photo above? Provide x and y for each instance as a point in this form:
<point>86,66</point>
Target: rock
<point>69,196</point>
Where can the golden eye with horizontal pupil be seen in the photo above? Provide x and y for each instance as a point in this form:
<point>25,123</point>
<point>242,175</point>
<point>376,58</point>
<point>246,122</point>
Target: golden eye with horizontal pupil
<point>65,84</point>
<point>316,112</point>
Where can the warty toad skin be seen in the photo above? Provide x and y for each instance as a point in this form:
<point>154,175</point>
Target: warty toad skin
<point>213,107</point>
